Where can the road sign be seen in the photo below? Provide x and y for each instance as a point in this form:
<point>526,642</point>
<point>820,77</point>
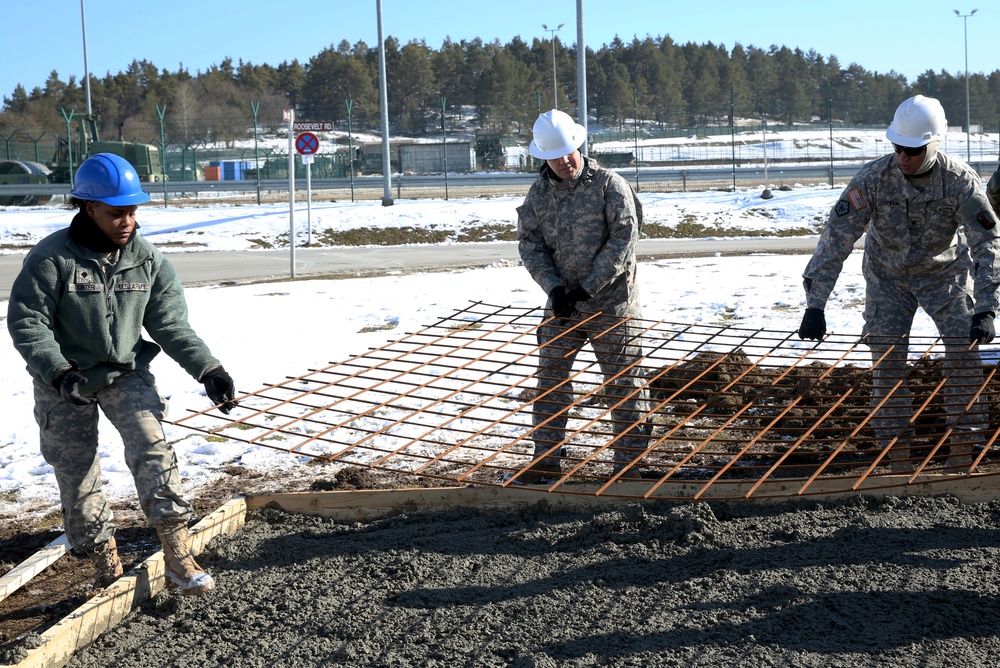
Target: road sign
<point>307,143</point>
<point>312,126</point>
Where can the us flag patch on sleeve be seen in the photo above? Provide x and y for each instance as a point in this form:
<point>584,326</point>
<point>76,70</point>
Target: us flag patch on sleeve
<point>857,199</point>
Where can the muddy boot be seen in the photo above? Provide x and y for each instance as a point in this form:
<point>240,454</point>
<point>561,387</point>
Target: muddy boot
<point>622,464</point>
<point>897,460</point>
<point>544,471</point>
<point>106,563</point>
<point>959,459</point>
<point>178,562</point>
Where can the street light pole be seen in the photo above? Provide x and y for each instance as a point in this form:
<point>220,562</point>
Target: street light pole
<point>555,89</point>
<point>968,121</point>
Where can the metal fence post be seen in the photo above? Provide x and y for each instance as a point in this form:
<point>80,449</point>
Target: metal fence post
<point>255,107</point>
<point>163,153</point>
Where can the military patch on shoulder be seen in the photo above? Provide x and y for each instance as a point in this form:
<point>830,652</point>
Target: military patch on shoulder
<point>857,199</point>
<point>841,208</point>
<point>986,220</point>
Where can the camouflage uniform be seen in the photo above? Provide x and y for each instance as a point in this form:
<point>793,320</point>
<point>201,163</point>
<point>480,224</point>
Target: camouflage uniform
<point>583,233</point>
<point>993,191</point>
<point>931,243</point>
<point>70,302</point>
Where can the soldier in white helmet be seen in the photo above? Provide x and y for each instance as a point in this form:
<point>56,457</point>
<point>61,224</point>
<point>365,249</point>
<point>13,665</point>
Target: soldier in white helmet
<point>577,231</point>
<point>932,242</point>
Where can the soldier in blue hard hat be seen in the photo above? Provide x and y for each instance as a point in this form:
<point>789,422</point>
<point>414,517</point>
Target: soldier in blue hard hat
<point>76,315</point>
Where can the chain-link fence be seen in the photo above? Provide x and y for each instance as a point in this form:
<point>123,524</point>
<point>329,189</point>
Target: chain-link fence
<point>350,167</point>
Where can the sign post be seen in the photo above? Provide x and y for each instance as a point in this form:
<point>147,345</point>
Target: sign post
<point>289,116</point>
<point>307,144</point>
<point>767,187</point>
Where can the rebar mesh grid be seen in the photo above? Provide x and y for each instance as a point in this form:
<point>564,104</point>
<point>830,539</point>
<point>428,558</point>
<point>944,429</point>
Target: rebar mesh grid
<point>733,413</point>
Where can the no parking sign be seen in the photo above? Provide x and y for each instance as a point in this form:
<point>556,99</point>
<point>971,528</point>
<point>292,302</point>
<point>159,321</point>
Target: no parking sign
<point>307,143</point>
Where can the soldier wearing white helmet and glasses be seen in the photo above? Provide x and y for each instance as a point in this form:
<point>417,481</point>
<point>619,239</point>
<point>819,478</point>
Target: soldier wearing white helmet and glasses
<point>932,242</point>
<point>577,231</point>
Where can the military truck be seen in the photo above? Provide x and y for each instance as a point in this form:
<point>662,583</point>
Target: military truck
<point>144,157</point>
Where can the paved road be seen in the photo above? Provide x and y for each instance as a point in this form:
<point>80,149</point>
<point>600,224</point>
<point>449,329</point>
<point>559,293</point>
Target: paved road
<point>201,267</point>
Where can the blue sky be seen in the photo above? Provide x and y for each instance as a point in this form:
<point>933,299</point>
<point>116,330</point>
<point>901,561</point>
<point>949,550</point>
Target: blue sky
<point>908,36</point>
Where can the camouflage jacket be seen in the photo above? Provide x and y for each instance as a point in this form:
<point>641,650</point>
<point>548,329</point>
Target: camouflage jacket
<point>932,240</point>
<point>583,233</point>
<point>62,307</point>
<point>993,191</point>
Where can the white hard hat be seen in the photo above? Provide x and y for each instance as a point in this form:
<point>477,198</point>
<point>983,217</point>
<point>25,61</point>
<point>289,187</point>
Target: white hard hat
<point>918,121</point>
<point>555,134</point>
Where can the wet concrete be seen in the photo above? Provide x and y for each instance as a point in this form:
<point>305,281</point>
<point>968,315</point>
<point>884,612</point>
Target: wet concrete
<point>860,582</point>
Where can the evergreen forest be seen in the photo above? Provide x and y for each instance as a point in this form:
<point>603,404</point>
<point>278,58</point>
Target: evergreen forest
<point>503,86</point>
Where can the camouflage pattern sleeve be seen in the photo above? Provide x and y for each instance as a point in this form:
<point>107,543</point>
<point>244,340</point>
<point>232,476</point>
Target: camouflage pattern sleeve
<point>993,191</point>
<point>846,224</point>
<point>979,220</point>
<point>31,314</point>
<point>535,254</point>
<point>622,218</point>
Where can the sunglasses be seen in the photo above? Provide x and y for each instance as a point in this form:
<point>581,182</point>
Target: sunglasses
<point>912,151</point>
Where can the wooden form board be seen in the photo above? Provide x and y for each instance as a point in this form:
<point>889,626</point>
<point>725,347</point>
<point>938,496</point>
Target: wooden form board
<point>16,577</point>
<point>85,624</point>
<point>103,612</point>
<point>364,505</point>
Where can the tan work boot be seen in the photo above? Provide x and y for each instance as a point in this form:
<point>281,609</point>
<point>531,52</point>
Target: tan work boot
<point>107,563</point>
<point>545,471</point>
<point>959,458</point>
<point>898,459</point>
<point>540,473</point>
<point>178,562</point>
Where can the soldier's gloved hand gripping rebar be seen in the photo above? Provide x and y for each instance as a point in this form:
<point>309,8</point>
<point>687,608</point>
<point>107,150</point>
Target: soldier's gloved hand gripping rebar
<point>220,388</point>
<point>813,324</point>
<point>982,329</point>
<point>564,303</point>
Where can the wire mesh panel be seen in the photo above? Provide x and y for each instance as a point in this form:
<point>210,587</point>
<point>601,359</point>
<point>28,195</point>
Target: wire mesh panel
<point>732,413</point>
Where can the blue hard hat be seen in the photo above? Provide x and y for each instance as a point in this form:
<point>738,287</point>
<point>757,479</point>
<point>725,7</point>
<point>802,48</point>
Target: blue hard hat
<point>108,178</point>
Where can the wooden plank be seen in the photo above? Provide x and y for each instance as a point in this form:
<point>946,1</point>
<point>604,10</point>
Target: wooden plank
<point>364,505</point>
<point>85,624</point>
<point>16,577</point>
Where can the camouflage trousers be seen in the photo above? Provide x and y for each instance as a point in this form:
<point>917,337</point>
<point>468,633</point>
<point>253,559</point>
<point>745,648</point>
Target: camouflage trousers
<point>615,345</point>
<point>889,313</point>
<point>69,443</point>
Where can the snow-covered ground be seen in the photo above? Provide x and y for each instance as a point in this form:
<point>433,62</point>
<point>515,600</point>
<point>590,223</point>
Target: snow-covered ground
<point>265,332</point>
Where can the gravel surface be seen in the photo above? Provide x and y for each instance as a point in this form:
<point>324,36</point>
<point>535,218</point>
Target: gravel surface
<point>859,582</point>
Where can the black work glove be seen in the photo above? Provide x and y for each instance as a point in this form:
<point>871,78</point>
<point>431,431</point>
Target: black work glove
<point>982,329</point>
<point>564,303</point>
<point>68,383</point>
<point>220,389</point>
<point>813,324</point>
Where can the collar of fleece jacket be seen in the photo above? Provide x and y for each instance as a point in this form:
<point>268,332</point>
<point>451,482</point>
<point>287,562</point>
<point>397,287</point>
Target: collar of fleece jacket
<point>84,231</point>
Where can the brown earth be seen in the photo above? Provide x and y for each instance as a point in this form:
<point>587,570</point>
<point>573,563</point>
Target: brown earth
<point>65,585</point>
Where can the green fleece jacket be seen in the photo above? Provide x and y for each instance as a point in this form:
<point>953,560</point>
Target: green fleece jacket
<point>63,308</point>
